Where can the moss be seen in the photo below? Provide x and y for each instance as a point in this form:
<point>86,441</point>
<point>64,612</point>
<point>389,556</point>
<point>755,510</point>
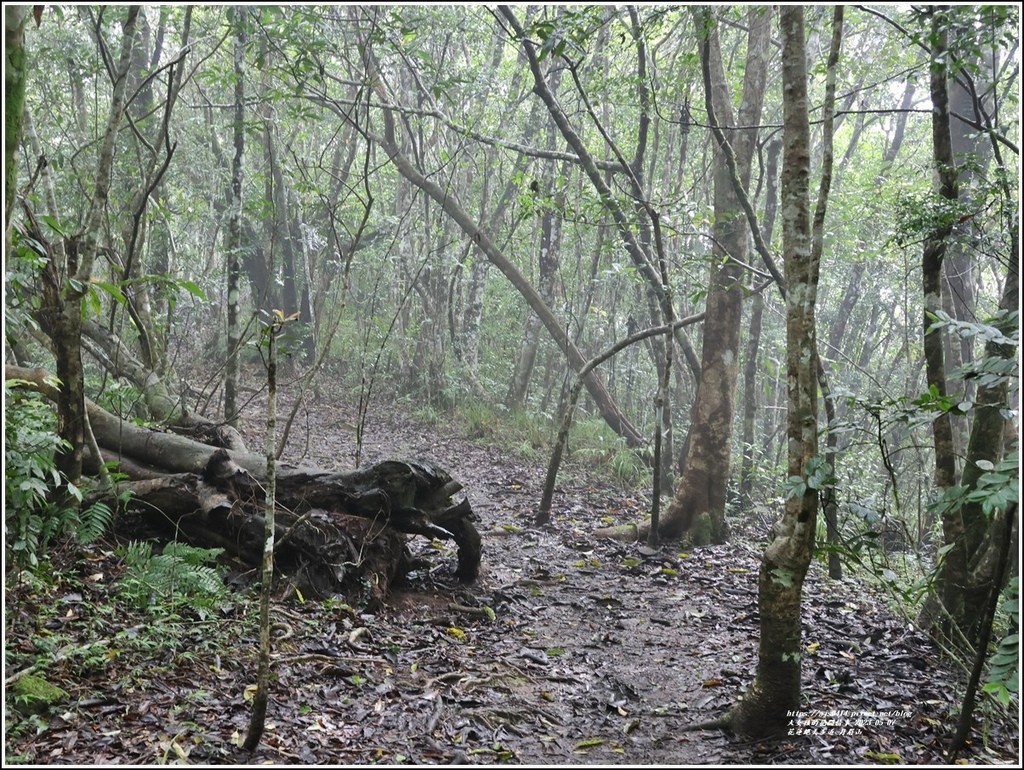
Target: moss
<point>701,529</point>
<point>33,693</point>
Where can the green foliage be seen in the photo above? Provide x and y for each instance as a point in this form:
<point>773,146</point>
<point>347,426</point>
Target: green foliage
<point>570,31</point>
<point>177,577</point>
<point>21,296</point>
<point>32,518</point>
<point>592,441</point>
<point>998,485</point>
<point>925,216</point>
<point>34,693</point>
<point>819,476</point>
<point>996,488</point>
<point>1004,665</point>
<point>1002,328</point>
<point>119,398</point>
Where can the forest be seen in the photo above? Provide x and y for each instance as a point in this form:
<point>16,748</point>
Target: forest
<point>484,384</point>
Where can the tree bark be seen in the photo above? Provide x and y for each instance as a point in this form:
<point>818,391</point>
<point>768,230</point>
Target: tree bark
<point>699,506</point>
<point>985,448</point>
<point>775,693</point>
<point>69,271</point>
<point>751,368</point>
<point>954,580</point>
<point>15,77</point>
<point>233,245</point>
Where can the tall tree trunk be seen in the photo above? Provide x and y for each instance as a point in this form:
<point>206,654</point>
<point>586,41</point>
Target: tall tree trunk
<point>750,367</point>
<point>549,201</point>
<point>972,154</point>
<point>817,248</point>
<point>954,567</point>
<point>984,450</point>
<point>15,77</point>
<point>700,500</point>
<point>236,17</point>
<point>775,692</point>
<point>468,338</point>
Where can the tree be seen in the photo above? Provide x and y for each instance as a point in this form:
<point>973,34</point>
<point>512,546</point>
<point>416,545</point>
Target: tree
<point>233,236</point>
<point>700,499</point>
<point>955,569</point>
<point>70,269</point>
<point>15,71</point>
<point>775,691</point>
<point>973,531</point>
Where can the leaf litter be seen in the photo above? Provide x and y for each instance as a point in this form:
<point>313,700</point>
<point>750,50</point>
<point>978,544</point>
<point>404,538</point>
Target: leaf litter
<point>567,650</point>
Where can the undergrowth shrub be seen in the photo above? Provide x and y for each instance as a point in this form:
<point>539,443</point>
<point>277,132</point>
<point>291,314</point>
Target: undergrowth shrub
<point>180,577</point>
<point>1003,681</point>
<point>32,518</point>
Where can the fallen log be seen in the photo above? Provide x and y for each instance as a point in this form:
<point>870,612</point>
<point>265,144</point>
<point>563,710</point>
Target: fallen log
<point>336,532</point>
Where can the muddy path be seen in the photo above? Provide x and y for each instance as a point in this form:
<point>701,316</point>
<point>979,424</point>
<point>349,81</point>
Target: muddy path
<point>566,650</point>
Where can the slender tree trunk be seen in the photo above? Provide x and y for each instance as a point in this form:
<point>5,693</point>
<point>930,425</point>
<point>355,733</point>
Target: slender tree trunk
<point>307,321</point>
<point>954,567</point>
<point>468,347</point>
<point>547,272</point>
<point>751,368</point>
<point>775,692</point>
<point>236,16</point>
<point>258,717</point>
<point>984,450</point>
<point>972,154</point>
<point>64,284</point>
<point>817,248</point>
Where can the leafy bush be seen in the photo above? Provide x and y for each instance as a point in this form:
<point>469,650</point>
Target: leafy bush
<point>31,517</point>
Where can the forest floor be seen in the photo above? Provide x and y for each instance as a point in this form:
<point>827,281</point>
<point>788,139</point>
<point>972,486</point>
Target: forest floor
<point>566,650</point>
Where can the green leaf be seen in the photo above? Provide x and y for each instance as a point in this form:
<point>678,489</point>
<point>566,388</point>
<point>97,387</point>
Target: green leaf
<point>193,289</point>
<point>794,487</point>
<point>54,225</point>
<point>111,289</point>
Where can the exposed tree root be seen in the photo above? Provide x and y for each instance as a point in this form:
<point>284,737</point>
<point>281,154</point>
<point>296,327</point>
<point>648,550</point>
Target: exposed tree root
<point>723,722</point>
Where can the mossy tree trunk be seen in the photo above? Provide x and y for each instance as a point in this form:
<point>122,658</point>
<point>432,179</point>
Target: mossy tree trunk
<point>699,505</point>
<point>15,77</point>
<point>65,281</point>
<point>775,693</point>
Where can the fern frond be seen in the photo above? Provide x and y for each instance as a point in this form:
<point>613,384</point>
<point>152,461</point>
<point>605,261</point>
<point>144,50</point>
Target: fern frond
<point>94,521</point>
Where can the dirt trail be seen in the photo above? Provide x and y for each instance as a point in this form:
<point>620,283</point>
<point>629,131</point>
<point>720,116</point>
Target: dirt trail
<point>567,650</point>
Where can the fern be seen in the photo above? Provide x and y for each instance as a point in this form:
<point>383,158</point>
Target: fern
<point>180,576</point>
<point>93,522</point>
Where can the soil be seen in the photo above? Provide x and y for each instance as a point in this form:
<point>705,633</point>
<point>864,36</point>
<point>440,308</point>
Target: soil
<point>566,650</point>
